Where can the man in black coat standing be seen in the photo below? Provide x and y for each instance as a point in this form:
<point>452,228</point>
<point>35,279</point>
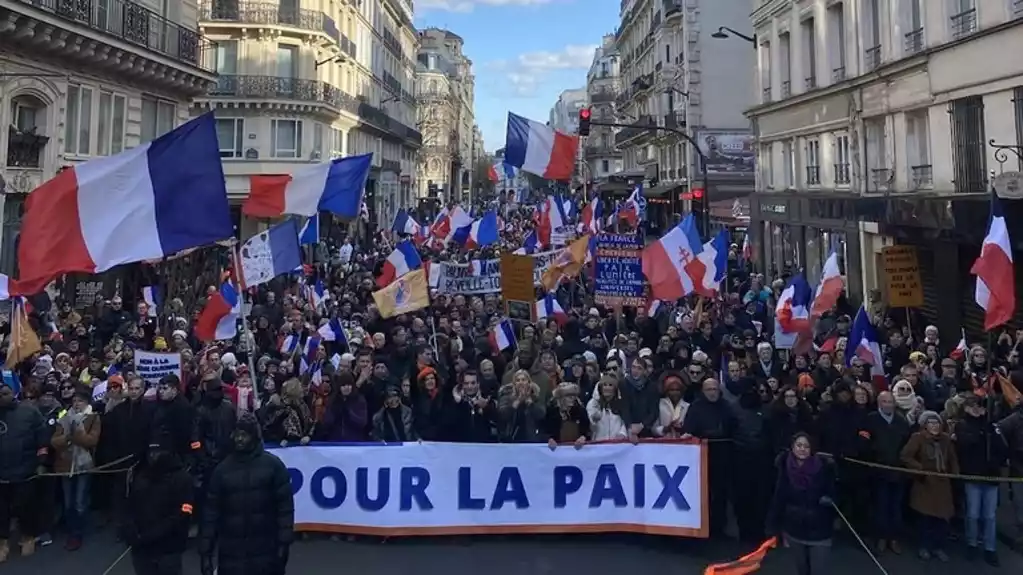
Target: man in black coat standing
<point>249,514</point>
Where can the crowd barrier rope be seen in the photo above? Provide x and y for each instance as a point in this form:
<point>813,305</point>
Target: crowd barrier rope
<point>105,469</point>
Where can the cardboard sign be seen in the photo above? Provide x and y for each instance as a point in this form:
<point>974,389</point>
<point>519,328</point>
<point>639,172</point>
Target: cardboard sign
<point>902,277</point>
<point>517,274</point>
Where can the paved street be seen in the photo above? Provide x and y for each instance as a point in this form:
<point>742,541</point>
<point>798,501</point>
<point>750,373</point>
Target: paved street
<point>508,556</point>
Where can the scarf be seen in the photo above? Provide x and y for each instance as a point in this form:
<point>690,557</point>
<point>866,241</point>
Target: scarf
<point>801,476</point>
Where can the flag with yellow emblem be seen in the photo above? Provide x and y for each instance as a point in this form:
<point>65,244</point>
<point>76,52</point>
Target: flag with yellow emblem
<point>567,264</point>
<point>405,294</point>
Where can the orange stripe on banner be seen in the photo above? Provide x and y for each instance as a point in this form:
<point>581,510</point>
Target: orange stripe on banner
<point>745,564</point>
<point>186,509</point>
<point>500,529</point>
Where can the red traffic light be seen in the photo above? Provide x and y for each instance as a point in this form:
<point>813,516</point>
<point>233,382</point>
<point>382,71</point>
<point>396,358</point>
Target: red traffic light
<point>584,113</point>
<point>698,194</point>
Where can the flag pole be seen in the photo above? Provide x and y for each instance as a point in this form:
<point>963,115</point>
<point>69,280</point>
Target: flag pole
<point>250,340</point>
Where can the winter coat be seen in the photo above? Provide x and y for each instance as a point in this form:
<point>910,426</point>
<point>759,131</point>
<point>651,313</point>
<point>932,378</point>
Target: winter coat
<point>176,418</point>
<point>248,514</point>
<point>669,414</point>
<point>466,423</point>
<point>783,423</point>
<point>931,496</point>
<point>606,421</point>
<point>885,442</point>
<point>519,423</point>
<point>641,404</point>
<point>126,431</point>
<point>554,421</point>
<point>980,450</point>
<point>799,513</point>
<point>27,434</point>
<point>428,415</point>
<point>160,504</point>
<point>74,442</point>
<point>384,426</point>
<point>345,419</point>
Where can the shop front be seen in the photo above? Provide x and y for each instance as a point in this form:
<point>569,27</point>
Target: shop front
<point>789,236</point>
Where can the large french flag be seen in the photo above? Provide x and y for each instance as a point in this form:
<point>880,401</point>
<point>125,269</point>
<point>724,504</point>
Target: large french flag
<point>336,186</point>
<point>145,203</point>
<point>530,244</point>
<point>830,288</point>
<point>551,217</point>
<point>404,223</point>
<point>864,344</point>
<point>634,209</point>
<point>590,220</point>
<point>996,285</point>
<point>672,264</point>
<point>539,150</point>
<point>548,307</point>
<point>502,336</point>
<point>793,308</point>
<point>481,232</point>
<point>269,254</point>
<point>715,258</point>
<point>219,318</point>
<point>402,260</point>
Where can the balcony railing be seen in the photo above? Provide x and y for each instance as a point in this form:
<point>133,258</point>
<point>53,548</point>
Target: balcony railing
<point>811,82</point>
<point>838,74</point>
<point>130,22</point>
<point>601,150</point>
<point>842,174</point>
<point>602,96</point>
<point>269,14</point>
<point>766,95</point>
<point>390,165</point>
<point>813,175</point>
<point>922,175</point>
<point>872,57</point>
<point>915,41</point>
<point>282,88</point>
<point>24,149</point>
<point>964,23</point>
<point>786,88</point>
<point>349,47</point>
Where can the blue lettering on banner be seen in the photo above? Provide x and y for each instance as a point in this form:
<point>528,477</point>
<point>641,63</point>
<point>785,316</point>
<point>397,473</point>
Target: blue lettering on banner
<point>431,486</point>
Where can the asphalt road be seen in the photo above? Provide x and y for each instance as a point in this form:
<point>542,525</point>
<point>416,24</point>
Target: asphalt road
<point>520,555</point>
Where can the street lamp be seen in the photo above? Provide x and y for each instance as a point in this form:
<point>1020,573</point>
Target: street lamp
<point>726,32</point>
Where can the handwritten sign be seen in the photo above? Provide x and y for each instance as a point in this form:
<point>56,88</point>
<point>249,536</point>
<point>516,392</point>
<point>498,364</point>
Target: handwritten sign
<point>902,277</point>
<point>152,366</point>
<point>517,286</point>
<point>619,271</point>
<point>483,276</point>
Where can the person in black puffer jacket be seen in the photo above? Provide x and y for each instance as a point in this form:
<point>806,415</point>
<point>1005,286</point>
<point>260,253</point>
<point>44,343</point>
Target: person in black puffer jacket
<point>161,502</point>
<point>23,441</point>
<point>249,515</point>
<point>802,509</point>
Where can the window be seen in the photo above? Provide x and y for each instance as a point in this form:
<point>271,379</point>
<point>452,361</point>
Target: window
<point>836,37</point>
<point>286,136</point>
<point>226,55</point>
<point>918,149</point>
<point>318,138</point>
<point>912,15</point>
<point>785,63</point>
<point>813,162</point>
<point>287,61</point>
<point>157,118</point>
<point>110,131</point>
<point>877,161</point>
<point>969,145</point>
<point>78,125</point>
<point>872,34</point>
<point>604,167</point>
<point>842,161</point>
<point>765,161</point>
<point>765,71</point>
<point>24,115</point>
<point>810,53</point>
<point>788,158</point>
<point>231,135</point>
<point>337,143</point>
<point>964,18</point>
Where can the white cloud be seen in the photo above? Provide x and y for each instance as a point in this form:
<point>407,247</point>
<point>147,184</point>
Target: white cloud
<point>463,6</point>
<point>526,72</point>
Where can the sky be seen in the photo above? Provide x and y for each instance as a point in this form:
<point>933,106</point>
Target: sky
<point>524,52</point>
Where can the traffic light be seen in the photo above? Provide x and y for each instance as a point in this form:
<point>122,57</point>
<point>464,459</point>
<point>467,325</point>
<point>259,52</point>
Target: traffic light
<point>584,122</point>
<point>698,206</point>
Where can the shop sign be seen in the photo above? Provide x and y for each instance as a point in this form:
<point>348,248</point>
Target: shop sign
<point>1009,185</point>
<point>773,208</point>
<point>902,277</point>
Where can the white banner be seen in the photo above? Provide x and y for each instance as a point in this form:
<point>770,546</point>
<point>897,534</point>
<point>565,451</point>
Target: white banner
<point>459,488</point>
<point>482,276</point>
<point>151,366</point>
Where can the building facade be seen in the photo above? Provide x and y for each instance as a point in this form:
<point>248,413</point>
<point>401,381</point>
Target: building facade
<point>874,127</point>
<point>446,90</point>
<point>675,76</point>
<point>304,81</point>
<point>564,115</point>
<point>603,84</point>
<point>75,86</point>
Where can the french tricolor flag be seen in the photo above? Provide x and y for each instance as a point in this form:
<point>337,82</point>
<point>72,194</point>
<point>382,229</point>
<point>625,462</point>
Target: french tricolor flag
<point>996,285</point>
<point>405,224</point>
<point>539,150</point>
<point>402,260</point>
<point>715,258</point>
<point>830,288</point>
<point>289,344</point>
<point>481,232</point>
<point>502,336</point>
<point>548,307</point>
<point>530,244</point>
<point>317,294</point>
<point>864,344</point>
<point>157,199</point>
<point>634,209</point>
<point>219,319</point>
<point>960,351</point>
<point>332,331</point>
<point>590,221</point>
<point>793,309</point>
<point>336,186</point>
<point>552,217</point>
<point>150,295</point>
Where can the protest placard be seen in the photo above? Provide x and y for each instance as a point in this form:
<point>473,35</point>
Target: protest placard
<point>484,276</point>
<point>151,366</point>
<point>619,271</point>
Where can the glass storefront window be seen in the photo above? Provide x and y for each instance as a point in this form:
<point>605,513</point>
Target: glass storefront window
<point>814,263</point>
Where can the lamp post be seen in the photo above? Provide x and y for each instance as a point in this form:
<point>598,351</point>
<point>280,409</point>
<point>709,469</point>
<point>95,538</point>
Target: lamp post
<point>726,32</point>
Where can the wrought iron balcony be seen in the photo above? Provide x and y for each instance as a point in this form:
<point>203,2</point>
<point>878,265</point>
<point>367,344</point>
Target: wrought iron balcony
<point>602,96</point>
<point>376,118</point>
<point>392,42</point>
<point>349,47</point>
<point>813,175</point>
<point>25,149</point>
<point>915,41</point>
<point>766,95</point>
<point>281,88</point>
<point>268,13</point>
<point>811,82</point>
<point>872,57</point>
<point>390,165</point>
<point>392,83</point>
<point>596,150</point>
<point>964,23</point>
<point>842,174</point>
<point>786,88</point>
<point>131,22</point>
<point>635,131</point>
<point>838,74</point>
<point>922,175</point>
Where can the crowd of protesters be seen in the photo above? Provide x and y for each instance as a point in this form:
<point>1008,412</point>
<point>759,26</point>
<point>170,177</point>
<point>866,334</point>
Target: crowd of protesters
<point>701,367</point>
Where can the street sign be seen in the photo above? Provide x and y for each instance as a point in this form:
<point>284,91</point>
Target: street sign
<point>902,277</point>
<point>518,286</point>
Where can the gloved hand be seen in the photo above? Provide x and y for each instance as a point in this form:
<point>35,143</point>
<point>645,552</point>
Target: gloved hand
<point>826,501</point>
<point>206,564</point>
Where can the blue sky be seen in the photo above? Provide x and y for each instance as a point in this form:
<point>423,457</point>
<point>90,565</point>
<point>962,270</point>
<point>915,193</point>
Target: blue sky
<point>524,52</point>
